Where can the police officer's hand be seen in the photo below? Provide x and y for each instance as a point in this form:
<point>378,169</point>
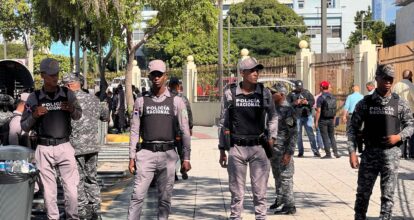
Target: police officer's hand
<point>66,106</point>
<point>392,140</point>
<point>186,166</point>
<point>286,159</point>
<point>39,111</point>
<point>353,160</point>
<point>132,166</point>
<point>223,159</point>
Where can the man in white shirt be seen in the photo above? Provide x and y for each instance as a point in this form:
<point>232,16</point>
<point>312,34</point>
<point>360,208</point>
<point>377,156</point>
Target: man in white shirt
<point>405,89</point>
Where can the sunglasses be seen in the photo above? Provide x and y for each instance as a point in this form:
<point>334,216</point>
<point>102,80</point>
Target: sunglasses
<point>156,74</point>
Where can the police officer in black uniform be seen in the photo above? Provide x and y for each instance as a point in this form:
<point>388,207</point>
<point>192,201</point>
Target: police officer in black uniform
<point>387,121</point>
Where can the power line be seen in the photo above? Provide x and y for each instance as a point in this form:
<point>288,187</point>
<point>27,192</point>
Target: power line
<point>290,25</point>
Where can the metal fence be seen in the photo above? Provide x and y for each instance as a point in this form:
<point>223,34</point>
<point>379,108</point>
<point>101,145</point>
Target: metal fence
<point>338,71</point>
<point>208,77</point>
<point>401,56</point>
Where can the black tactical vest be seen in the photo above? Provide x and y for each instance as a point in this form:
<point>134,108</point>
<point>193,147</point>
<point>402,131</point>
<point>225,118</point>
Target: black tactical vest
<point>56,123</point>
<point>381,121</point>
<point>247,114</point>
<point>158,120</point>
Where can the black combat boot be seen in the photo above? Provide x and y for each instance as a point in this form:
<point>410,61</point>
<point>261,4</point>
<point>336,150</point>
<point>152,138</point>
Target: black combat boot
<point>276,204</point>
<point>286,211</point>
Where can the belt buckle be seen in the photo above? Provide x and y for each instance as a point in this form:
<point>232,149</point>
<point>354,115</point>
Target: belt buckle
<point>52,142</point>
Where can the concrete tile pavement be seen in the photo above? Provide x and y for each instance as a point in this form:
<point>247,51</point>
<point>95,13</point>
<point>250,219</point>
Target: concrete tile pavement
<point>324,189</point>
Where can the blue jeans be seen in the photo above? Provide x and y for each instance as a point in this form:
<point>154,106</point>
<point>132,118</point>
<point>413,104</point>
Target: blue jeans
<point>306,122</point>
<point>319,140</point>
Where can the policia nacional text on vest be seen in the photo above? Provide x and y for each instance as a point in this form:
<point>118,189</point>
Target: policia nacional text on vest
<point>159,125</point>
<point>380,121</point>
<point>53,128</point>
<point>247,120</point>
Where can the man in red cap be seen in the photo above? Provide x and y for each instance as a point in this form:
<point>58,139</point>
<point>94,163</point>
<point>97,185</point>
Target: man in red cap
<point>324,119</point>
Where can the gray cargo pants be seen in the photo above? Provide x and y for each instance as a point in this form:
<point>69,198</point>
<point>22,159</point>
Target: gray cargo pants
<point>150,164</point>
<point>239,158</point>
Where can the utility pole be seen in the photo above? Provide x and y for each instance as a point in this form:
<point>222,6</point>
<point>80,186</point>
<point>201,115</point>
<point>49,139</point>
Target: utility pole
<point>323,30</point>
<point>77,61</point>
<point>228,41</point>
<point>220,47</point>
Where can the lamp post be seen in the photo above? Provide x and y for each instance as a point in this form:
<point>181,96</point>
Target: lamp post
<point>220,47</point>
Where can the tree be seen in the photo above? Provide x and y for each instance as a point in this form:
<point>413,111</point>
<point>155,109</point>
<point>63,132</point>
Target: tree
<point>373,30</point>
<point>171,13</point>
<point>18,23</point>
<point>389,36</point>
<point>96,21</point>
<point>174,46</point>
<point>13,51</point>
<point>278,21</point>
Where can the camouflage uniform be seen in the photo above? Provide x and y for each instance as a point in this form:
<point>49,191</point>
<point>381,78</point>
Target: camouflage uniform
<point>84,139</point>
<point>285,144</point>
<point>376,158</point>
<point>6,102</point>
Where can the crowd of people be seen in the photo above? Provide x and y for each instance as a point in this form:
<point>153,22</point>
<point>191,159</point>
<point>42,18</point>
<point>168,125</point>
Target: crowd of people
<point>259,128</point>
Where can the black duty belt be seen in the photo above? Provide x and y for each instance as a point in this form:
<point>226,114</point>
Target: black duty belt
<point>246,142</point>
<point>51,141</point>
<point>156,147</point>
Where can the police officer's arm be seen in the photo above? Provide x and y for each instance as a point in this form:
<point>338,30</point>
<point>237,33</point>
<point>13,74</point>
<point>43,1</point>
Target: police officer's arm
<point>292,132</point>
<point>355,125</point>
<point>76,114</point>
<point>406,120</point>
<point>224,115</point>
<point>272,122</point>
<point>135,124</point>
<point>28,121</point>
<point>182,115</point>
<point>189,111</point>
<point>14,131</point>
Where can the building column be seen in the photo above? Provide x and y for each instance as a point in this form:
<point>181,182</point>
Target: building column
<point>303,70</point>
<point>365,63</point>
<point>190,79</point>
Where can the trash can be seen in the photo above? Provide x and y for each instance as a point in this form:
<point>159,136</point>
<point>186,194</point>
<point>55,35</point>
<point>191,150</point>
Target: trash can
<point>16,189</point>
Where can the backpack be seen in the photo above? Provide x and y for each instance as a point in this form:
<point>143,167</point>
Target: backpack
<point>328,108</point>
<point>4,131</point>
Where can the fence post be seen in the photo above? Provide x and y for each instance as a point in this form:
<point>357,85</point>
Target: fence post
<point>365,63</point>
<point>190,79</point>
<point>244,53</point>
<point>303,70</point>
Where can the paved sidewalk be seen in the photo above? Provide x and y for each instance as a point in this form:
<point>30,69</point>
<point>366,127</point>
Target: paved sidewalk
<point>324,189</point>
